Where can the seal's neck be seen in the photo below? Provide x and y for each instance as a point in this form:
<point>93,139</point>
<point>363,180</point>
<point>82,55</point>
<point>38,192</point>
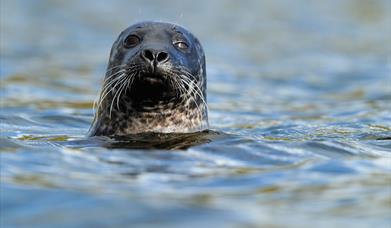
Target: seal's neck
<point>179,119</point>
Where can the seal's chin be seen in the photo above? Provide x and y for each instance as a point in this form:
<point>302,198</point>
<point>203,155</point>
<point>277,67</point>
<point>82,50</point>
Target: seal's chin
<point>151,88</point>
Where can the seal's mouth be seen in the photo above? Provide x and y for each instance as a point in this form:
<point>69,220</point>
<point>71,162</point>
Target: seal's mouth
<point>153,79</point>
<point>151,88</point>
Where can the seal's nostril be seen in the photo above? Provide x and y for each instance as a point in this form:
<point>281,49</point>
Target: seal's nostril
<point>151,55</point>
<point>148,55</point>
<point>162,57</point>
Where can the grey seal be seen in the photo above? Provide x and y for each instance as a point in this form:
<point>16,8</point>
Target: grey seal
<point>155,82</point>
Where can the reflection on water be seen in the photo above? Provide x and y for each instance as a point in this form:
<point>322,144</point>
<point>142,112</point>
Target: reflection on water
<point>146,141</point>
<point>299,98</point>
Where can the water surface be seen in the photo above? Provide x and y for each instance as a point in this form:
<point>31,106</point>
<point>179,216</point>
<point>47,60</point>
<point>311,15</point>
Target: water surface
<point>300,106</point>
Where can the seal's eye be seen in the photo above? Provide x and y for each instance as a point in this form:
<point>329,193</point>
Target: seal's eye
<point>131,41</point>
<point>181,45</point>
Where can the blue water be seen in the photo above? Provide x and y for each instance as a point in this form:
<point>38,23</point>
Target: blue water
<point>299,94</point>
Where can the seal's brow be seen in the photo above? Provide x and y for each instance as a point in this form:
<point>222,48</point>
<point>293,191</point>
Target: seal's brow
<point>176,29</point>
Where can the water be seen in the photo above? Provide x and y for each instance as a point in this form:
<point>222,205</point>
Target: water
<point>300,112</point>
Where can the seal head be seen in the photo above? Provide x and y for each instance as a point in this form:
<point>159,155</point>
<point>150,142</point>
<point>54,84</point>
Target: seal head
<point>155,82</point>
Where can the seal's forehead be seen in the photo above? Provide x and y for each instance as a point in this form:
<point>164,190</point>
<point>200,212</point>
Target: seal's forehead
<point>146,25</point>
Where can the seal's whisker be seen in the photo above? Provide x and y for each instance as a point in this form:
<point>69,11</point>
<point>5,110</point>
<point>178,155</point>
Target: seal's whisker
<point>197,90</point>
<point>110,77</point>
<point>131,77</point>
<point>184,71</point>
<point>115,94</point>
<point>121,88</point>
<point>196,103</point>
<point>108,90</point>
<point>125,67</point>
<point>181,88</point>
<point>117,80</point>
<point>125,85</point>
<point>175,84</point>
<point>115,67</point>
<point>192,89</point>
<point>172,77</point>
<point>105,85</point>
<point>109,84</point>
